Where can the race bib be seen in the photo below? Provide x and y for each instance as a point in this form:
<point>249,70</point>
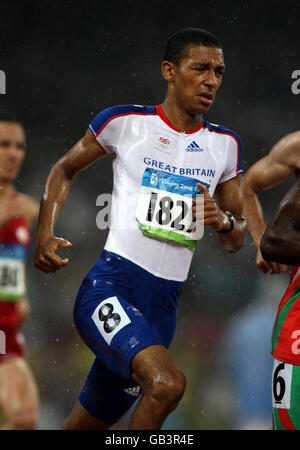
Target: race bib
<point>12,273</point>
<point>110,317</point>
<point>281,384</point>
<point>164,209</point>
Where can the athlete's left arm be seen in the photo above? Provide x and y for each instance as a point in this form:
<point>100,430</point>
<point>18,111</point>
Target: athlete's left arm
<point>30,210</point>
<point>23,309</point>
<point>281,240</point>
<point>229,197</point>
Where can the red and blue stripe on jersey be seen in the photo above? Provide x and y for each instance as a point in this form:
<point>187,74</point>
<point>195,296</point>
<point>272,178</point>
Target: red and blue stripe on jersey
<point>105,116</point>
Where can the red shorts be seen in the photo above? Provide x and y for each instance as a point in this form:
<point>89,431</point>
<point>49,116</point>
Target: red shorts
<point>11,339</point>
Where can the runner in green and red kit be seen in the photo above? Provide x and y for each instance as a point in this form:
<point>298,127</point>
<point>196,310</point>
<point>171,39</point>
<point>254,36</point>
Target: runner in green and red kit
<point>282,162</point>
<point>281,243</point>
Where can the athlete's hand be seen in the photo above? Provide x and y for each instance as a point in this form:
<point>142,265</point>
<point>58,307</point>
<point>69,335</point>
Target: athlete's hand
<point>45,256</point>
<point>213,216</point>
<point>10,208</point>
<point>269,266</point>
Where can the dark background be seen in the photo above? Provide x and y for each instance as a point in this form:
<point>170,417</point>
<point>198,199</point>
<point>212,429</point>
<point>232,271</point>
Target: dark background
<point>64,62</point>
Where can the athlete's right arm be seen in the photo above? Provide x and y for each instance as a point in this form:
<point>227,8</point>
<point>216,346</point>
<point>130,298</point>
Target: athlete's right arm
<point>278,165</point>
<point>58,184</point>
<point>281,240</point>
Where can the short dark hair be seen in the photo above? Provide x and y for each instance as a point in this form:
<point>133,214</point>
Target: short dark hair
<point>180,42</point>
<point>4,117</point>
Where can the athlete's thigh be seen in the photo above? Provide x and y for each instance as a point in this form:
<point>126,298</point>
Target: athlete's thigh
<point>18,389</point>
<point>163,319</point>
<point>286,396</point>
<point>114,329</point>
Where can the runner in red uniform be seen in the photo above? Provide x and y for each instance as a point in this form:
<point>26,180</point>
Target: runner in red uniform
<point>281,243</point>
<point>18,391</point>
<point>278,165</point>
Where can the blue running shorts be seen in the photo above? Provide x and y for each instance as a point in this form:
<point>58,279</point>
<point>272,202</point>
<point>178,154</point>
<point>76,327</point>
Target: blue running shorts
<point>121,309</point>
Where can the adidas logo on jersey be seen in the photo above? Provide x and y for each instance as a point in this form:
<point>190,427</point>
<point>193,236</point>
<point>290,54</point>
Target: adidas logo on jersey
<point>134,391</point>
<point>194,147</point>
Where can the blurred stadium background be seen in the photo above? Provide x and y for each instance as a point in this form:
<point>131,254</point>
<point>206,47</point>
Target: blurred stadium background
<point>64,62</point>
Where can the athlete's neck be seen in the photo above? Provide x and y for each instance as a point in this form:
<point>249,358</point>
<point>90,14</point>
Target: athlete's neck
<point>180,118</point>
<point>5,189</point>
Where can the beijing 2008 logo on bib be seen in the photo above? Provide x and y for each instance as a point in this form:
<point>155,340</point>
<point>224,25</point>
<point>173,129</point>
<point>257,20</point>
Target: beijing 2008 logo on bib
<point>164,209</point>
<point>12,272</point>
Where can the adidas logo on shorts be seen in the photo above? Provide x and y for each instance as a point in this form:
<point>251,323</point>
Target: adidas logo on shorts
<point>194,147</point>
<point>134,391</point>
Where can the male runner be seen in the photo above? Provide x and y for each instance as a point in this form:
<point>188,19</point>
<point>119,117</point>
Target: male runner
<point>125,310</point>
<point>18,391</point>
<point>281,243</point>
<point>282,161</point>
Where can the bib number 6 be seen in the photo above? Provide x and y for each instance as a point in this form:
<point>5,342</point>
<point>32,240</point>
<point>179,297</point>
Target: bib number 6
<point>281,384</point>
<point>278,384</point>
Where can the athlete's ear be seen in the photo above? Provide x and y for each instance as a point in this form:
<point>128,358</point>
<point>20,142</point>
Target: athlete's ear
<point>168,70</point>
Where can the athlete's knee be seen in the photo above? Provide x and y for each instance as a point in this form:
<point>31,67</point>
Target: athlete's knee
<point>166,388</point>
<point>25,420</point>
<point>163,384</point>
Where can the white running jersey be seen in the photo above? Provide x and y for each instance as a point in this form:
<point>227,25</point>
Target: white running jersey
<point>155,174</point>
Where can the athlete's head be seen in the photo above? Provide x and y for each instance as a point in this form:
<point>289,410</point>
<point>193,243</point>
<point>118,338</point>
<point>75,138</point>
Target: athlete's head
<point>193,66</point>
<point>12,148</point>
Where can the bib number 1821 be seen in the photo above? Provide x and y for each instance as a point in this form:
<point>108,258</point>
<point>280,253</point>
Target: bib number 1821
<point>170,212</point>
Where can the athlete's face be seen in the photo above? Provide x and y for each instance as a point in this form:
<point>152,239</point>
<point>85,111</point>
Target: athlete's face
<point>12,150</point>
<point>197,78</point>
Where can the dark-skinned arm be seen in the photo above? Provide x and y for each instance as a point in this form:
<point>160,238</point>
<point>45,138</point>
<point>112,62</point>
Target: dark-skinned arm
<point>228,198</point>
<point>277,166</point>
<point>56,191</point>
<point>281,240</point>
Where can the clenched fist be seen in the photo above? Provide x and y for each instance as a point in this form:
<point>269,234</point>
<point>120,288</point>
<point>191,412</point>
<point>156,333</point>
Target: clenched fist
<point>213,216</point>
<point>45,256</point>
